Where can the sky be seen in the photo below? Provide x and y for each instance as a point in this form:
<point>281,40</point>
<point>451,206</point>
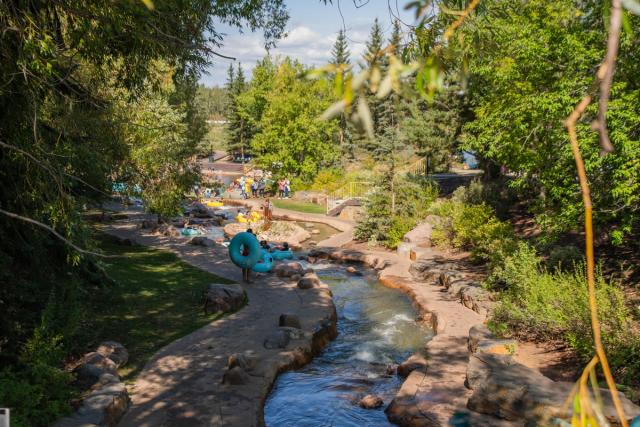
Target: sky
<point>312,30</point>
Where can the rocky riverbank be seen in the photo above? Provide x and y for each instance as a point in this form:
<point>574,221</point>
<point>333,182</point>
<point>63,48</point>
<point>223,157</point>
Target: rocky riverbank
<point>221,374</point>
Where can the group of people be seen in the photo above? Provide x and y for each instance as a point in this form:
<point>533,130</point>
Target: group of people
<point>251,187</point>
<point>246,272</point>
<point>284,188</point>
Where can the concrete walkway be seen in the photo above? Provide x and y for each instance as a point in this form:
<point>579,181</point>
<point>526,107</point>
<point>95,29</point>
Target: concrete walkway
<point>182,384</point>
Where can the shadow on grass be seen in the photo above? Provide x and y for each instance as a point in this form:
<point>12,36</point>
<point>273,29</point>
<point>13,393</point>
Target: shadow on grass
<point>155,299</point>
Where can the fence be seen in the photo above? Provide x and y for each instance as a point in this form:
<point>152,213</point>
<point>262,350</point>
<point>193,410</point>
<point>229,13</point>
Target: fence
<point>351,190</point>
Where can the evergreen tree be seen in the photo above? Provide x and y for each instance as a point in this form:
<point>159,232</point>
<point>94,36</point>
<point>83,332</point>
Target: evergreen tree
<point>340,53</point>
<point>239,130</point>
<point>374,44</point>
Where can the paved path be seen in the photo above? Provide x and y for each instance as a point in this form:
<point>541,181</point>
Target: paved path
<point>181,384</point>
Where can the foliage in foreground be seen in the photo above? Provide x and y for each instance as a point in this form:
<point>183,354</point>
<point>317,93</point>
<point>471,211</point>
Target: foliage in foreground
<point>537,299</point>
<point>391,212</point>
<point>152,299</point>
<point>553,305</point>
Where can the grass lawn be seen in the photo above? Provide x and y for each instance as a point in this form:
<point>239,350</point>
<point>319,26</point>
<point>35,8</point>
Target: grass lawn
<point>298,206</point>
<point>156,299</point>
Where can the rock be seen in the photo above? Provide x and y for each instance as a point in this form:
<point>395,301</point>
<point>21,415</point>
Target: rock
<point>288,269</point>
<point>224,297</point>
<point>309,224</point>
<point>295,277</point>
<point>477,333</point>
<point>199,210</point>
<point>292,333</point>
<point>308,281</point>
<point>311,259</point>
<point>509,390</point>
<point>279,339</point>
<point>404,249</point>
<point>309,270</point>
<point>416,361</point>
<point>502,347</point>
<point>420,235</point>
<point>91,367</point>
<point>247,361</point>
<point>289,320</point>
<point>404,410</point>
<point>315,231</point>
<point>235,376</point>
<point>418,253</point>
<point>168,230</point>
<point>371,401</point>
<point>146,224</point>
<point>202,241</point>
<point>351,269</point>
<point>114,351</point>
<point>391,369</point>
<point>351,213</point>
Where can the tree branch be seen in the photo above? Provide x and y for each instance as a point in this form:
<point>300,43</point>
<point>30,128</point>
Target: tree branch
<point>55,233</point>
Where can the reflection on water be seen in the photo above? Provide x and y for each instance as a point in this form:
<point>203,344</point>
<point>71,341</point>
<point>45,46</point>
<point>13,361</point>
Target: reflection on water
<point>376,328</point>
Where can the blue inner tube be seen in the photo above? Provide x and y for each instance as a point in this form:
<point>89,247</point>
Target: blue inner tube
<point>266,263</point>
<point>238,244</point>
<point>189,232</point>
<point>282,254</point>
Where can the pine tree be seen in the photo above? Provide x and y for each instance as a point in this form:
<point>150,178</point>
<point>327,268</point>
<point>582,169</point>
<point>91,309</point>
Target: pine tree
<point>374,44</point>
<point>239,131</point>
<point>340,53</point>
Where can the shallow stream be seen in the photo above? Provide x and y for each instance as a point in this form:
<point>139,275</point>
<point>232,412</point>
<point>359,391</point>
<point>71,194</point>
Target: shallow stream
<point>376,328</point>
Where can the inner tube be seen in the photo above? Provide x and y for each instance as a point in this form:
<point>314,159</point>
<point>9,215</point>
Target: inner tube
<point>241,241</point>
<point>266,263</point>
<point>282,254</point>
<point>189,232</point>
<point>241,218</point>
<point>215,204</point>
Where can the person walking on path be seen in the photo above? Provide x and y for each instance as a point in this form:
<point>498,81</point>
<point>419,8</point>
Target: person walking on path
<point>243,188</point>
<point>287,188</point>
<point>246,272</point>
<point>281,188</point>
<point>267,210</point>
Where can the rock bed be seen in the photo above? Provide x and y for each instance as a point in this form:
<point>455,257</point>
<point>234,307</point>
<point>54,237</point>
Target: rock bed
<point>105,398</point>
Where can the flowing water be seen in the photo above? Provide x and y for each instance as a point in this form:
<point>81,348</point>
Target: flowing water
<point>376,328</point>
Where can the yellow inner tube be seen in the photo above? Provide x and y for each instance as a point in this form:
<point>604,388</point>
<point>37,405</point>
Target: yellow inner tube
<point>215,204</point>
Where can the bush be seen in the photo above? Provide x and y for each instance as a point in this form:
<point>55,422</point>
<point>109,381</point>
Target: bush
<point>473,227</point>
<point>412,200</point>
<point>543,304</point>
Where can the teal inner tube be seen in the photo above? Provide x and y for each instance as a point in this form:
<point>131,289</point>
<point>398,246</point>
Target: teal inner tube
<point>282,254</point>
<point>189,232</point>
<point>266,263</point>
<point>239,243</point>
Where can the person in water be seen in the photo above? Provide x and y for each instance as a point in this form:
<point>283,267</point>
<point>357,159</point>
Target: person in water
<point>265,245</point>
<point>246,272</point>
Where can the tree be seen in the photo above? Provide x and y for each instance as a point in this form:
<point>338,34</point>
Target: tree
<point>68,70</point>
<point>238,129</point>
<point>340,53</point>
<point>290,134</point>
<point>341,57</point>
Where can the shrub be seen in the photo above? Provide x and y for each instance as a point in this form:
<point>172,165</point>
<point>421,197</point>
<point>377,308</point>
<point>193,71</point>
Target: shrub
<point>564,257</point>
<point>547,304</point>
<point>473,227</point>
<point>387,226</point>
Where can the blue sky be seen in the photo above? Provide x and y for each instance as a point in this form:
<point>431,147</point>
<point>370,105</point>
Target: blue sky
<point>312,30</point>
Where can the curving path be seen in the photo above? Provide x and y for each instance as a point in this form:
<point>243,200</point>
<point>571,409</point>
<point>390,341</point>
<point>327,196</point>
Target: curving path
<point>182,384</point>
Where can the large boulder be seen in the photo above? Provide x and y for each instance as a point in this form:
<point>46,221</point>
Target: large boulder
<point>114,351</point>
<point>308,281</point>
<point>420,235</point>
<point>224,297</point>
<point>511,391</point>
<point>236,376</point>
<point>278,339</point>
<point>91,367</point>
<point>202,241</point>
<point>288,269</point>
<point>278,231</point>
<point>199,210</point>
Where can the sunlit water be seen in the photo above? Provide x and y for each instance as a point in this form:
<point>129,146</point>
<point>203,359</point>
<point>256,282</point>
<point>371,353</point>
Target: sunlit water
<point>376,328</point>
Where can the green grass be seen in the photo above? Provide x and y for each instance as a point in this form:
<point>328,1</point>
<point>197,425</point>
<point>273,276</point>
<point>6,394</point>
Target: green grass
<point>294,205</point>
<point>156,299</point>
